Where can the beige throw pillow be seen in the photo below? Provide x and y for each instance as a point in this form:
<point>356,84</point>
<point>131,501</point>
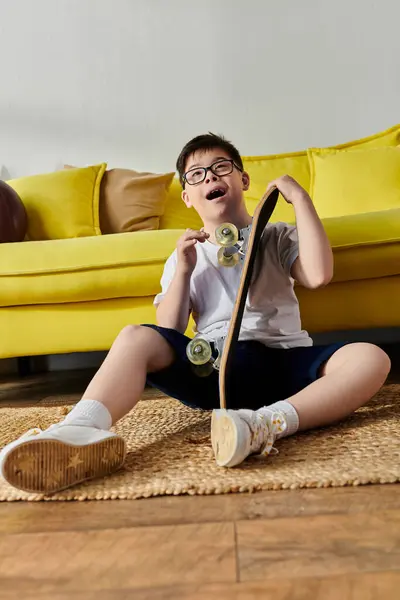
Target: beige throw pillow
<point>132,201</point>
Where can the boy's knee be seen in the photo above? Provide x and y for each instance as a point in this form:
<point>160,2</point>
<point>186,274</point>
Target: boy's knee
<point>131,333</point>
<point>375,357</point>
<point>359,353</point>
<point>128,332</point>
<point>382,359</point>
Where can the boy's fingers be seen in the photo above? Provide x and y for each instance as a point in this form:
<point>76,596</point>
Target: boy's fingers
<point>271,184</point>
<point>195,235</point>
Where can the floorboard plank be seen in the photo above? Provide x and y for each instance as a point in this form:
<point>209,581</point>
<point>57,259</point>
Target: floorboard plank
<point>318,546</point>
<point>365,586</point>
<point>30,517</point>
<point>117,559</point>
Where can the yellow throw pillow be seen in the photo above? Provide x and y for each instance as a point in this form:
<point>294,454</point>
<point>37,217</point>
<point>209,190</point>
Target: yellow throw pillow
<point>132,201</point>
<point>60,205</point>
<point>355,181</point>
<point>263,169</point>
<point>177,215</point>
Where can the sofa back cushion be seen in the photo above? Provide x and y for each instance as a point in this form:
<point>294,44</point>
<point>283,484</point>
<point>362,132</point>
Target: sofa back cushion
<point>355,181</point>
<point>63,204</point>
<point>176,214</point>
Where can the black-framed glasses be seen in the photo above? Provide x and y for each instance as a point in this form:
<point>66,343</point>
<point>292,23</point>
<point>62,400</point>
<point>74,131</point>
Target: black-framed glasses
<point>220,168</point>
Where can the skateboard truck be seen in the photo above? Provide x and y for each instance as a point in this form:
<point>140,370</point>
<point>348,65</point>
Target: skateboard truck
<point>199,353</point>
<point>233,242</point>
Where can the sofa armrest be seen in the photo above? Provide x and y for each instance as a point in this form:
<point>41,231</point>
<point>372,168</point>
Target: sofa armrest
<point>365,229</point>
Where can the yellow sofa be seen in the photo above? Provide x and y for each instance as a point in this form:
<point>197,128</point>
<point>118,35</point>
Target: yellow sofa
<point>76,294</point>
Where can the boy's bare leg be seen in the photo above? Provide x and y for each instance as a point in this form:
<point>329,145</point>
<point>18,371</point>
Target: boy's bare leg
<point>121,379</point>
<point>350,378</point>
<point>81,447</point>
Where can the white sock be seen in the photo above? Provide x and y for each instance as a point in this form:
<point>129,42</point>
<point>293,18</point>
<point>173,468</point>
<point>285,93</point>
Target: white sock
<point>89,413</point>
<point>292,418</point>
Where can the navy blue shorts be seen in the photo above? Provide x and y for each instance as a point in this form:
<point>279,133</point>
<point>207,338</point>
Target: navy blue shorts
<point>261,375</point>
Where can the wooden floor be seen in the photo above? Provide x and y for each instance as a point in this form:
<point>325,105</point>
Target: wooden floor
<point>312,544</point>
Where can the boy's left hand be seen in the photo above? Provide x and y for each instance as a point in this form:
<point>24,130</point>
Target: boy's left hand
<point>289,188</point>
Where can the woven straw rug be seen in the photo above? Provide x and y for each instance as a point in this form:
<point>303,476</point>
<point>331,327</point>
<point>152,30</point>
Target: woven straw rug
<point>170,452</point>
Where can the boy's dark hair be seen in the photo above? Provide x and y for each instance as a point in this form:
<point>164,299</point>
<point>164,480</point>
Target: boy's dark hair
<point>206,142</point>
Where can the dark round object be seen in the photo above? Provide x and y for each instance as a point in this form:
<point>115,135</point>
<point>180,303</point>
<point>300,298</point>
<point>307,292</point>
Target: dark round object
<point>13,219</point>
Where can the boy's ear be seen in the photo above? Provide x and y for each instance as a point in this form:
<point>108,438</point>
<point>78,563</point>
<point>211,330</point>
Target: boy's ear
<point>185,198</point>
<point>245,181</point>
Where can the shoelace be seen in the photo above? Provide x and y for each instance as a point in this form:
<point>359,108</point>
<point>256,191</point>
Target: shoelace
<point>264,430</point>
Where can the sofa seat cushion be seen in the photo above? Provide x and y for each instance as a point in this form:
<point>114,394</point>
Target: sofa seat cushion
<point>84,269</point>
<point>131,264</point>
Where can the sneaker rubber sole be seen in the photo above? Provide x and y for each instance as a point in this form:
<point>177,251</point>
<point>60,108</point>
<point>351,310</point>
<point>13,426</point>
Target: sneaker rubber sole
<point>49,466</point>
<point>228,438</point>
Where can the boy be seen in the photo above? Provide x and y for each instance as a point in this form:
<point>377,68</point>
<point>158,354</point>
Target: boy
<point>290,384</point>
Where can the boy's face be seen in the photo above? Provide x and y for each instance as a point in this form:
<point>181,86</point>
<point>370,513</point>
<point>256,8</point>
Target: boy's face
<point>220,191</point>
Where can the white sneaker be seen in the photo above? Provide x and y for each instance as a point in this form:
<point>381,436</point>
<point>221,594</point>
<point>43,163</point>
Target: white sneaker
<point>235,434</point>
<point>60,457</point>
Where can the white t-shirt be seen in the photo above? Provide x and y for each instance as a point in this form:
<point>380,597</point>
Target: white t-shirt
<point>271,315</point>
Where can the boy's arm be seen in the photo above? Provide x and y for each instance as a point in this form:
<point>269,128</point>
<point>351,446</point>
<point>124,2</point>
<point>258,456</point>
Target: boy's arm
<point>174,309</point>
<point>313,267</point>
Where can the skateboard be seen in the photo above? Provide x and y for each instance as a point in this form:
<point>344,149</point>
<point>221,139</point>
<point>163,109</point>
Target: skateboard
<point>236,246</point>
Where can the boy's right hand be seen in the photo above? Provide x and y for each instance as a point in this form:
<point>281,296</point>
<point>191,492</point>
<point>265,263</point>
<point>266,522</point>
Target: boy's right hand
<point>187,255</point>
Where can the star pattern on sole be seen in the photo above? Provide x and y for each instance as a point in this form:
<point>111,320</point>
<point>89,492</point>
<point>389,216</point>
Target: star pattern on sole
<point>53,480</point>
<point>110,455</point>
<point>75,461</point>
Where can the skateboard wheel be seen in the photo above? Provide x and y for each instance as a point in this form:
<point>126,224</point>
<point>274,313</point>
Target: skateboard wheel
<point>227,260</point>
<point>202,370</point>
<point>199,351</point>
<point>227,235</point>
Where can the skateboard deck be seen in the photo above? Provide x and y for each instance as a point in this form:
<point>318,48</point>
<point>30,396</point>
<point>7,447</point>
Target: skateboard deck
<point>261,216</point>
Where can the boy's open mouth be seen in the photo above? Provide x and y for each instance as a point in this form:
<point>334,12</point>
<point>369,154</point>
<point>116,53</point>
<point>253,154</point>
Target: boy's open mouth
<point>217,192</point>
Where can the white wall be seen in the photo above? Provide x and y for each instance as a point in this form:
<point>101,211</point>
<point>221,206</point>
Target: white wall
<point>130,81</point>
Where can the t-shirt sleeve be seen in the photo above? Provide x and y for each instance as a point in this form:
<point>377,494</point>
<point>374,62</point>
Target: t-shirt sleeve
<point>167,276</point>
<point>288,246</point>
